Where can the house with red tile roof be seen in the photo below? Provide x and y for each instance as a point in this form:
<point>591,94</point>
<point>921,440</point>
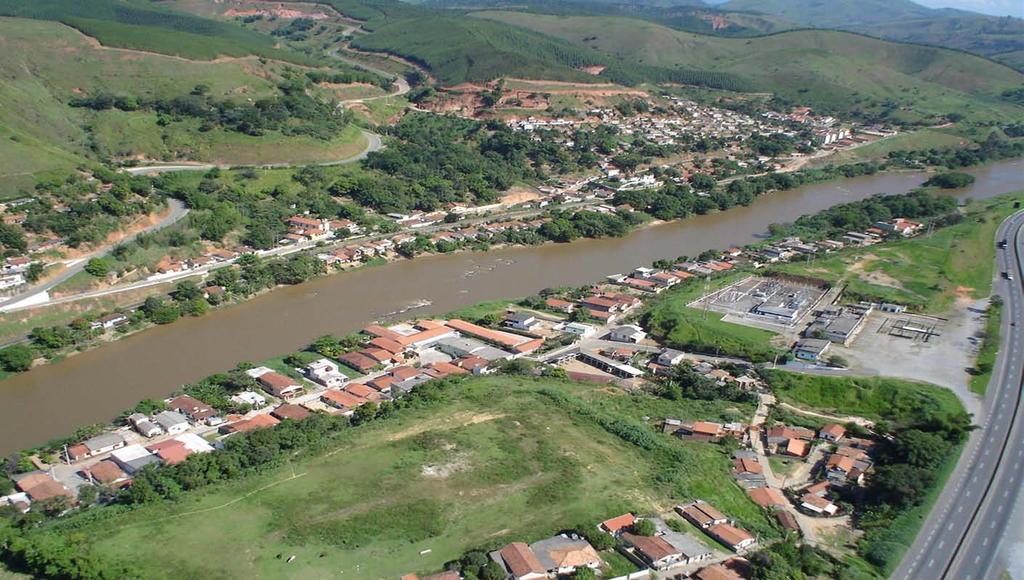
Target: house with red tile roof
<point>358,361</point>
<point>293,412</point>
<point>171,451</point>
<point>618,524</point>
<point>520,562</point>
<point>246,425</point>
<point>346,402</point>
<point>281,386</point>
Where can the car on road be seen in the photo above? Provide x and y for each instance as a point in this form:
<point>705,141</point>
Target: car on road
<point>1008,275</point>
<point>1002,244</point>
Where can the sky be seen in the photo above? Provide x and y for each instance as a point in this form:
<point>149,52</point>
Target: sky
<point>996,7</point>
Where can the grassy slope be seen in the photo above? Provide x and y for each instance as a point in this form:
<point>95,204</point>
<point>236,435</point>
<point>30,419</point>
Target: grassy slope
<point>148,26</point>
<point>47,64</point>
<point>367,508</point>
<point>923,271</point>
<point>829,69</point>
<point>869,397</point>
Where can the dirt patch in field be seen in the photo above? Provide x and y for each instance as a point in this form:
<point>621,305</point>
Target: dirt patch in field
<point>964,296</point>
<point>875,277</point>
<point>446,469</point>
<point>450,422</point>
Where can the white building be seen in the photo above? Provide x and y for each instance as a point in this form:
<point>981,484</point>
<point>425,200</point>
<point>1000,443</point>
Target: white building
<point>326,373</point>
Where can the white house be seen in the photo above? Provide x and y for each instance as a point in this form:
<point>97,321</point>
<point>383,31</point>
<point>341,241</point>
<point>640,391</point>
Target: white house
<point>172,422</point>
<point>144,426</point>
<point>326,373</point>
<point>579,329</point>
<point>627,333</point>
<point>670,358</point>
<point>521,320</point>
<point>250,398</point>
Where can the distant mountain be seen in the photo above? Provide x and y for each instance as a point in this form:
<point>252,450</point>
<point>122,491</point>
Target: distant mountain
<point>1000,38</point>
<point>689,15</point>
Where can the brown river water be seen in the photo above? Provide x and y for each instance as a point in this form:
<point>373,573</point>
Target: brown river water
<point>53,400</point>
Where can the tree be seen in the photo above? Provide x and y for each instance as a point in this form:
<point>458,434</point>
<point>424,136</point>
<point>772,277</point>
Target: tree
<point>16,358</point>
<point>838,361</point>
<point>87,494</point>
<point>98,267</point>
<point>187,290</point>
<point>644,528</point>
<point>950,180</point>
<point>35,272</point>
<point>584,573</point>
<point>493,571</point>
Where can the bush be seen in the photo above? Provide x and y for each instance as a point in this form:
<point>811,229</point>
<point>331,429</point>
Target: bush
<point>16,358</point>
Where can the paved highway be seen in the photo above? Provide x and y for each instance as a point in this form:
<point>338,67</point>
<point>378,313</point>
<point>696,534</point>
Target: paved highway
<point>962,537</point>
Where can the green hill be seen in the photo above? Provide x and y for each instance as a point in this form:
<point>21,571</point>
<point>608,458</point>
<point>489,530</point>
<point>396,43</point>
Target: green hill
<point>903,20</point>
<point>458,49</point>
<point>46,65</point>
<point>148,26</point>
<point>830,70</point>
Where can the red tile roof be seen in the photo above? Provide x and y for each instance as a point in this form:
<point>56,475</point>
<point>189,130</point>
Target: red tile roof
<point>767,496</point>
<point>171,451</point>
<point>107,472</point>
<point>521,560</point>
<point>615,524</point>
<point>293,412</point>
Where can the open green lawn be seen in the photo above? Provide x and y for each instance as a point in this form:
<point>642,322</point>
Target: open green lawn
<point>875,398</point>
<point>669,318</point>
<point>499,461</point>
<point>930,271</point>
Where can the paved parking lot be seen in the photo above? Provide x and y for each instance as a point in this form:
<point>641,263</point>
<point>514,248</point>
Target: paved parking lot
<point>919,347</point>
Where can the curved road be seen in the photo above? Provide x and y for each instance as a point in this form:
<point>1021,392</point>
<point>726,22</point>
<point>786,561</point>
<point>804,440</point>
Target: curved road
<point>964,537</point>
<point>178,211</point>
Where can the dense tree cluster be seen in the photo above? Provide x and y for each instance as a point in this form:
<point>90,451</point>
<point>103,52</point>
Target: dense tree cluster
<point>293,112</point>
<point>686,383</point>
<point>859,215</point>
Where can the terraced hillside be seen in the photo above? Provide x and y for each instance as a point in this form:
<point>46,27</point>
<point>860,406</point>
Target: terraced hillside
<point>830,70</point>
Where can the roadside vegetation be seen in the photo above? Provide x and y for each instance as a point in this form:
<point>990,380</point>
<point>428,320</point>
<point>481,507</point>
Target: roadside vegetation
<point>985,362</point>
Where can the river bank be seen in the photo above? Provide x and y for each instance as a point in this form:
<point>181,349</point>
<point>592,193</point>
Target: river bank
<point>94,386</point>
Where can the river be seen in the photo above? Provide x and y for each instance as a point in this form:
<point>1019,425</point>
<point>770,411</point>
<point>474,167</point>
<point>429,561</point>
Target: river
<point>53,400</point>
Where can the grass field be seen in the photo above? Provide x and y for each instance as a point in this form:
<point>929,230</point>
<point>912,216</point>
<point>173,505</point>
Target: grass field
<point>873,398</point>
<point>496,463</point>
<point>827,69</point>
<point>921,139</point>
<point>930,272</point>
<point>683,327</point>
